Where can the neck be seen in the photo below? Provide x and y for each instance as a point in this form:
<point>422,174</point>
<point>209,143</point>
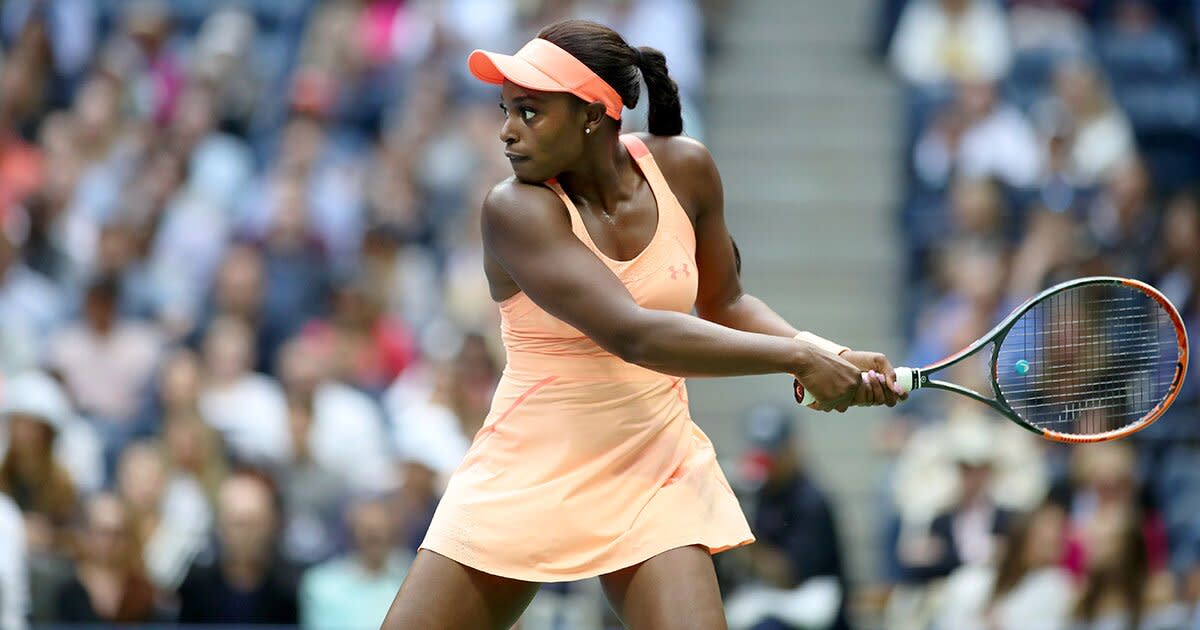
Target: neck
<point>598,181</point>
<point>244,573</point>
<point>373,563</point>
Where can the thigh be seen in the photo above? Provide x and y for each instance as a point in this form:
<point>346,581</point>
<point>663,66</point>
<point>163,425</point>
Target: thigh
<point>675,589</point>
<point>441,594</point>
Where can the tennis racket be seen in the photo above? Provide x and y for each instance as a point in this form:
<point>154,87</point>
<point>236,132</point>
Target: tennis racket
<point>1088,360</point>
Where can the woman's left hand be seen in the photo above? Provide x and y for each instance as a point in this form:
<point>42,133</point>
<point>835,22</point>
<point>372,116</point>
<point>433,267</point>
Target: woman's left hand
<point>879,384</point>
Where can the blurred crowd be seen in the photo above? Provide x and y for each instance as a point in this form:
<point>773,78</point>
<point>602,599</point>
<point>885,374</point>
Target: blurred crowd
<point>244,330</point>
<point>1043,140</point>
<point>245,336</point>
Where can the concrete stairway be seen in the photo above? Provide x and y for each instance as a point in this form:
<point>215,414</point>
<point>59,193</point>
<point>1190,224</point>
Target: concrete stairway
<point>803,127</point>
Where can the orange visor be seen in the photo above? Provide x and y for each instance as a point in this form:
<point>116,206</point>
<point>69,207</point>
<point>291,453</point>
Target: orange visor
<point>540,65</point>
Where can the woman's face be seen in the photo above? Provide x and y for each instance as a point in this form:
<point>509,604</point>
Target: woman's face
<point>1043,545</point>
<point>542,132</point>
<point>107,535</point>
<point>29,435</point>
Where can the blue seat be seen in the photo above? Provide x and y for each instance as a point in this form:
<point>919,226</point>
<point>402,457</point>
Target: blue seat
<point>1157,53</point>
<point>1158,106</point>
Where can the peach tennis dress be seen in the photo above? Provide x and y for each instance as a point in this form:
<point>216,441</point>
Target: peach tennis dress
<point>588,464</point>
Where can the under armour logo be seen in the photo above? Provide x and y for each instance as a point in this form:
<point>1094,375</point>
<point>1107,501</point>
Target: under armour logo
<point>675,272</point>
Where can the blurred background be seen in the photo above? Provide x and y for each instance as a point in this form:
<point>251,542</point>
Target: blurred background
<point>245,335</point>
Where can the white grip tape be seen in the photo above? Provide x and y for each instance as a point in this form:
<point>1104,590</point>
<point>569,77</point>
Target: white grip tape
<point>903,379</point>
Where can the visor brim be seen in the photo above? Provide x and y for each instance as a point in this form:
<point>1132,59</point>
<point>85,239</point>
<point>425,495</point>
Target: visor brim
<point>495,68</point>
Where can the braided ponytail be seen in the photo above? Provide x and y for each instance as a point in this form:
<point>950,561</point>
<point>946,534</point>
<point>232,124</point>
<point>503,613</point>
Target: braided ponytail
<point>665,116</point>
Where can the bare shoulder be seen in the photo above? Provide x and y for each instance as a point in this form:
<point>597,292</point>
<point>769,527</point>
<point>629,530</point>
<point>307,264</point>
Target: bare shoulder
<point>514,205</point>
<point>690,170</point>
<point>679,155</point>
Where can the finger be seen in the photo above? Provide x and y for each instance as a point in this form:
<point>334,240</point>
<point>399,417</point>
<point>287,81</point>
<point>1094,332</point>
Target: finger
<point>862,393</point>
<point>885,393</point>
<point>885,367</point>
<point>877,389</point>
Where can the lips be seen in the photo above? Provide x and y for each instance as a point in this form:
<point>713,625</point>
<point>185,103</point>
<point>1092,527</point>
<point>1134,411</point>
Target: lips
<point>515,157</point>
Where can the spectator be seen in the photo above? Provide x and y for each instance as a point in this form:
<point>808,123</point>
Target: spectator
<point>334,426</point>
<point>1022,588</point>
<point>14,575</point>
<point>1178,262</point>
<point>978,213</point>
<point>77,446</point>
<point>940,41</point>
<point>36,412</point>
<point>966,534</point>
<point>247,582</point>
<point>403,274</point>
<point>21,163</point>
<point>30,307</point>
<point>1103,491</point>
<point>106,360</point>
<point>978,135</point>
<point>367,347</point>
<point>793,522</point>
<point>423,407</point>
<point>248,409</point>
<point>295,265</point>
<point>1123,221</point>
<point>109,584</point>
<point>337,446</point>
<point>238,293</point>
<point>1102,136</point>
<point>1120,588</point>
<point>355,590</point>
<point>193,449</point>
<point>139,55</point>
<point>169,513</point>
<point>1048,26</point>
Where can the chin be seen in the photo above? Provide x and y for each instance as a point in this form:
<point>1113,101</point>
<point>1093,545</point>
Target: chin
<point>528,176</point>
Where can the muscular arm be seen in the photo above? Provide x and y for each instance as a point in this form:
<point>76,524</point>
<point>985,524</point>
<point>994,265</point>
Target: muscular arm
<point>526,231</point>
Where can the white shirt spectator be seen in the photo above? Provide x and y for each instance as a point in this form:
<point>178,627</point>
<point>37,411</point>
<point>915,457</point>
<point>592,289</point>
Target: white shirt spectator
<point>1100,144</point>
<point>932,46</point>
<point>926,478</point>
<point>347,436</point>
<point>30,307</point>
<point>1002,145</point>
<point>422,430</point>
<point>78,448</point>
<point>107,373</point>
<point>14,572</point>
<point>186,252</point>
<point>1042,600</point>
<point>251,416</point>
<point>181,534</point>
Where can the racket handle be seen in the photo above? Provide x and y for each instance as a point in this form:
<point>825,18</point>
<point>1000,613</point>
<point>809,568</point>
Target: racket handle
<point>904,378</point>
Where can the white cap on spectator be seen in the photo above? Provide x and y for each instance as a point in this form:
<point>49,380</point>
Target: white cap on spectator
<point>970,442</point>
<point>36,394</point>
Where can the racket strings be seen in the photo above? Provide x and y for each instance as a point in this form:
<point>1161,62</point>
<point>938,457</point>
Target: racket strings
<point>1089,359</point>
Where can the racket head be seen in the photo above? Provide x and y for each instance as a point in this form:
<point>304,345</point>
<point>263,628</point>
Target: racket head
<point>1090,360</point>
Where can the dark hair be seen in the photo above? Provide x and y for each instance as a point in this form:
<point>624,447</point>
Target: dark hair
<point>1011,567</point>
<point>1126,579</point>
<point>609,56</point>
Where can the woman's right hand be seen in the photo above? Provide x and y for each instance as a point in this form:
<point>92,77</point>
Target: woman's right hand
<point>832,380</point>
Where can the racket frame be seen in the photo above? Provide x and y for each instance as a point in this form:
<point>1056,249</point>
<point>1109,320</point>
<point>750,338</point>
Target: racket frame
<point>921,377</point>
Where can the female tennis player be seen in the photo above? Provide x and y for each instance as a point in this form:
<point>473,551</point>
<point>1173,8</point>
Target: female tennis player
<point>598,249</point>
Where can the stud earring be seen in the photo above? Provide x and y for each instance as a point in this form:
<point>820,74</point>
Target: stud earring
<point>588,130</point>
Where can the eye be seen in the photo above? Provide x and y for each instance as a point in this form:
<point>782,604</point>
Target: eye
<point>527,114</point>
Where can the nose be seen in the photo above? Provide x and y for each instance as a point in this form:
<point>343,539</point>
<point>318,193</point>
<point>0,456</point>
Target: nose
<point>507,136</point>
